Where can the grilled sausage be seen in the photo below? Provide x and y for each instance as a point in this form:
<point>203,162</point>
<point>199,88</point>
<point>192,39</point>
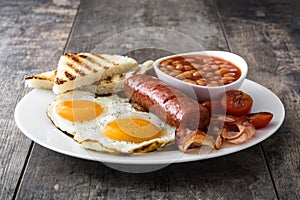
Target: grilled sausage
<point>167,103</point>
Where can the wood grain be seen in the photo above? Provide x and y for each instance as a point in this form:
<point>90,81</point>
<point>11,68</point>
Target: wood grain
<point>50,175</point>
<point>54,176</point>
<point>267,34</point>
<point>33,34</point>
<point>185,26</point>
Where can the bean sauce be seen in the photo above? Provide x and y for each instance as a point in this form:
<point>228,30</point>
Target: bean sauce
<point>201,70</point>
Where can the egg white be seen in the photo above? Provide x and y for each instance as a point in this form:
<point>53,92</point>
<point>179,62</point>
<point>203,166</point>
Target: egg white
<point>93,140</point>
<point>71,128</point>
<point>89,134</point>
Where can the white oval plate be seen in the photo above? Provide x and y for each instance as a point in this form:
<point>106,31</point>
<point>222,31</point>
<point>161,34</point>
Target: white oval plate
<point>30,116</point>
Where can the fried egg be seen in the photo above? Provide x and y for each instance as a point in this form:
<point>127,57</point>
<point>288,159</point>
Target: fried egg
<point>75,109</point>
<point>109,123</point>
<point>128,132</point>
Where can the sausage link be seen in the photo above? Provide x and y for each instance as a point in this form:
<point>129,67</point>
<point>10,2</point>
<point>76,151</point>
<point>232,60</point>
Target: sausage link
<point>167,103</point>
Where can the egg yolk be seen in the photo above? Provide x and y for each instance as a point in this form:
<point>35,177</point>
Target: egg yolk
<point>78,110</point>
<point>131,130</point>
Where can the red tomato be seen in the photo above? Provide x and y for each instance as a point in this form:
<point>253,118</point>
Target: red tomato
<point>236,103</point>
<point>260,119</point>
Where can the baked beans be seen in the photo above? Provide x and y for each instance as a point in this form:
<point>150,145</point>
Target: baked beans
<point>201,70</point>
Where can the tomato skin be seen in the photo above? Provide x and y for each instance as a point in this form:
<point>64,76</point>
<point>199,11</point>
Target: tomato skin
<point>260,119</point>
<point>214,107</point>
<point>237,103</point>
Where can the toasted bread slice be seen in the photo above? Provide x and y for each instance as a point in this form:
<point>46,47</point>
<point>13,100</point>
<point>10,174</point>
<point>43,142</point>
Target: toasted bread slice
<point>115,83</point>
<point>82,69</point>
<point>44,80</point>
<point>109,85</point>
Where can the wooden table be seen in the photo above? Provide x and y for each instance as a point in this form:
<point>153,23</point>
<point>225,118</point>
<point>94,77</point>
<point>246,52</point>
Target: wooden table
<point>266,33</point>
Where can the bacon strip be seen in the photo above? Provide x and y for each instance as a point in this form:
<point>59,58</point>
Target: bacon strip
<point>192,140</point>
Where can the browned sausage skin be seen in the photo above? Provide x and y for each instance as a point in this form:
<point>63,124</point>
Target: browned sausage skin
<point>167,103</point>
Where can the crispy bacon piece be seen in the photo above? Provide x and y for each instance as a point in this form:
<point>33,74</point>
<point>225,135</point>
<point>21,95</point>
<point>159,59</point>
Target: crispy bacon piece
<point>190,140</point>
<point>236,130</point>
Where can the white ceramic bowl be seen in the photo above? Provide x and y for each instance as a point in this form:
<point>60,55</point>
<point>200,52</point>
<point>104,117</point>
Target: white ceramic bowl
<point>205,92</point>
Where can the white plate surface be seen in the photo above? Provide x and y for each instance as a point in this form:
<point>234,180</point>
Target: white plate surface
<point>30,116</point>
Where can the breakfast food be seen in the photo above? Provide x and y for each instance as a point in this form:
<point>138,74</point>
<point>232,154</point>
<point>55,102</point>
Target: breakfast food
<point>166,102</point>
<point>169,104</point>
<point>109,85</point>
<point>131,132</point>
<point>231,120</point>
<point>43,80</point>
<point>108,124</point>
<point>97,115</point>
<point>235,130</point>
<point>236,102</point>
<point>80,69</point>
<point>260,119</point>
<point>76,107</point>
<point>201,70</point>
<point>191,141</point>
<point>115,83</point>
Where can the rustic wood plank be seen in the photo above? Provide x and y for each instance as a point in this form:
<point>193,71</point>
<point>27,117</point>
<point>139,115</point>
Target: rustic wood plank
<point>267,34</point>
<point>25,48</point>
<point>50,175</point>
<point>104,25</point>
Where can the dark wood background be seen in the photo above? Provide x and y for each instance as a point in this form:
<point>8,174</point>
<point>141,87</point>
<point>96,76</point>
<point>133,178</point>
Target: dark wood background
<point>266,33</point>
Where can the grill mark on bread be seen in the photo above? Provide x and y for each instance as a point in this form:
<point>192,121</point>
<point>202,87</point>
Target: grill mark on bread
<point>82,56</point>
<point>43,76</point>
<point>99,56</point>
<point>78,61</point>
<point>59,81</point>
<point>111,79</point>
<point>90,67</point>
<point>93,58</point>
<point>108,80</point>
<point>81,60</point>
<point>32,77</point>
<point>78,71</point>
<point>37,77</point>
<point>69,76</point>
